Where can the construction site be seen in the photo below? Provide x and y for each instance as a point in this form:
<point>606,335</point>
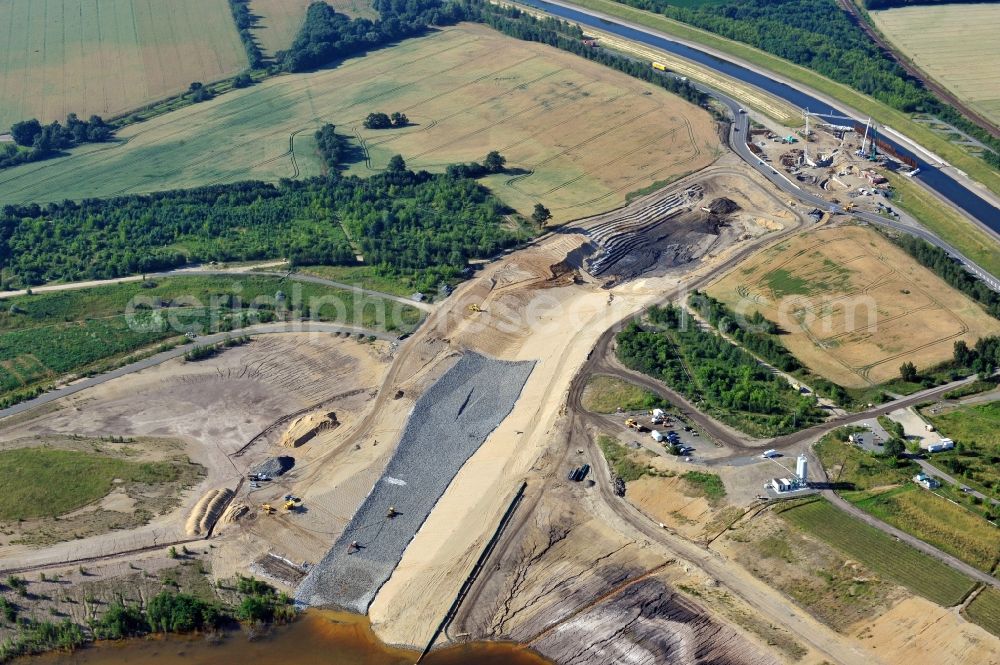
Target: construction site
<point>842,162</point>
<point>451,486</point>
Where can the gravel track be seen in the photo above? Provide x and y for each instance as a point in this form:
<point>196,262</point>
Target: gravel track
<point>448,424</point>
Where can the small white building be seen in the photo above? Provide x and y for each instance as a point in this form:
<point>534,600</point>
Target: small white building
<point>938,446</point>
<point>657,436</point>
<point>771,452</point>
<point>927,482</point>
<point>782,485</point>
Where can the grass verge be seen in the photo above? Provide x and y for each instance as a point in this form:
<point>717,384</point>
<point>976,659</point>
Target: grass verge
<point>708,485</point>
<point>46,336</point>
<point>620,461</point>
<point>606,394</point>
<point>946,222</point>
<point>985,610</point>
<point>976,457</point>
<point>937,521</point>
<point>47,482</point>
<point>888,557</point>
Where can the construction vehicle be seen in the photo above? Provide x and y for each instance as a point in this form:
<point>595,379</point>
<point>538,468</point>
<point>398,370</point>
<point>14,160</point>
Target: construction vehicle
<point>632,423</point>
<point>474,308</point>
<point>290,506</point>
<point>267,508</point>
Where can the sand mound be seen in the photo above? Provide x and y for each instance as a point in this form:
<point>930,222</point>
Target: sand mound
<point>306,427</point>
<point>234,512</point>
<point>206,511</point>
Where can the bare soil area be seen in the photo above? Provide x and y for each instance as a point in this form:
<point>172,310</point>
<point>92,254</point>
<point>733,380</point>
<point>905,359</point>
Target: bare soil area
<point>215,407</point>
<point>130,503</point>
<point>854,305</point>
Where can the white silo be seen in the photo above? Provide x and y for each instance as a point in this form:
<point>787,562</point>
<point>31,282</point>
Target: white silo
<point>802,469</point>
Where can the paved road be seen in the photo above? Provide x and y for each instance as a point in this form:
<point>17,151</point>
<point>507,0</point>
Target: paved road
<point>958,188</point>
<point>738,134</point>
<point>582,15</point>
<point>299,277</point>
<point>152,361</point>
<point>932,470</point>
<point>222,272</point>
<point>179,272</point>
<point>930,550</point>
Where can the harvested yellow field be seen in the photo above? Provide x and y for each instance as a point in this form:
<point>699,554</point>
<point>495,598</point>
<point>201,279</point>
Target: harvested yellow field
<point>577,136</point>
<point>109,56</point>
<point>279,20</point>
<point>957,45</point>
<point>854,306</point>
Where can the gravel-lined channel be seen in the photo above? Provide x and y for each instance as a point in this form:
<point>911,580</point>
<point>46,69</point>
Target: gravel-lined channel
<point>448,424</point>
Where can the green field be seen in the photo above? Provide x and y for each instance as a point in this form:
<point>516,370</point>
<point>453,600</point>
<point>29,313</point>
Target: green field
<point>622,461</point>
<point>51,334</point>
<point>708,485</point>
<point>47,482</point>
<point>578,135</point>
<point>856,469</point>
<point>888,557</point>
<point>985,610</point>
<point>976,461</point>
<point>606,394</point>
<point>109,56</point>
<point>365,277</point>
<point>936,521</point>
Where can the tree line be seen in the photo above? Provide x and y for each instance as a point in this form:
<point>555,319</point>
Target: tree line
<point>754,332</point>
<point>705,367</point>
<point>326,35</point>
<point>334,148</point>
<point>401,221</point>
<point>380,120</point>
<point>951,271</point>
<point>569,37</point>
<point>819,35</point>
<point>982,358</point>
<point>34,141</point>
<point>245,22</point>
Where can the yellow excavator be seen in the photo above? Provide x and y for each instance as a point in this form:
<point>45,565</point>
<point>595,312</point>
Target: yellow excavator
<point>474,308</point>
<point>267,508</point>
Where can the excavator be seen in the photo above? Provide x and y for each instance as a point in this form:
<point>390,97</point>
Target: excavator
<point>267,508</point>
<point>475,309</point>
